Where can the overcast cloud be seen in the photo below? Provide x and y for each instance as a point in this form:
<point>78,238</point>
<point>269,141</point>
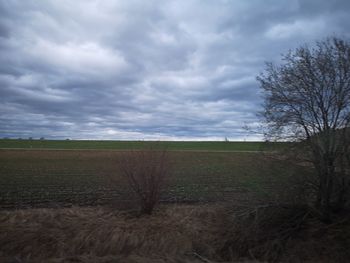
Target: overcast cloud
<point>174,70</point>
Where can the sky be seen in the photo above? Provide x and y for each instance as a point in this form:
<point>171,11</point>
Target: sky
<point>148,70</point>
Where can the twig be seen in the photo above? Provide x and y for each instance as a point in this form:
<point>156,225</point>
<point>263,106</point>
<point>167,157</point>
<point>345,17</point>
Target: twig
<point>201,258</point>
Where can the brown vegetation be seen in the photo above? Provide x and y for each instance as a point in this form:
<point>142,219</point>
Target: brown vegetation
<point>145,171</point>
<point>175,233</point>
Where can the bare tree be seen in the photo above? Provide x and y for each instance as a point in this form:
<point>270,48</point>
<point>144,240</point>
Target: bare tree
<point>145,171</point>
<point>307,99</point>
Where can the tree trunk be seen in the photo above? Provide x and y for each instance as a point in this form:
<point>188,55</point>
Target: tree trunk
<point>341,197</point>
<point>325,193</point>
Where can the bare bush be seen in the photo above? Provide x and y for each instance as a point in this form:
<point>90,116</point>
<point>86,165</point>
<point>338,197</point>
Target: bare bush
<point>292,179</point>
<point>261,232</point>
<point>145,171</point>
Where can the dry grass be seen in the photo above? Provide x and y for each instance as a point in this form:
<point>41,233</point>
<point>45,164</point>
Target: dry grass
<point>175,234</point>
<point>286,233</point>
<point>263,231</point>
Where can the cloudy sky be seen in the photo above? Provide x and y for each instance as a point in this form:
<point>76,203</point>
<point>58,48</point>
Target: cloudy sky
<point>162,70</point>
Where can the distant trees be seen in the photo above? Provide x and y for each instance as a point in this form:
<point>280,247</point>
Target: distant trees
<point>307,99</point>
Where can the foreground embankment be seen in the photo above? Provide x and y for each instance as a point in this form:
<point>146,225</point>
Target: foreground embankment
<point>174,233</point>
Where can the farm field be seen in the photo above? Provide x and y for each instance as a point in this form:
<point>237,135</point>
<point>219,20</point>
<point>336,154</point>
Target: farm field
<point>209,203</point>
<point>50,178</point>
<point>127,145</point>
<point>93,219</point>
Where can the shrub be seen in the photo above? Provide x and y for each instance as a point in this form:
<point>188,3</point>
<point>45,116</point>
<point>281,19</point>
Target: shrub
<point>145,171</point>
<point>262,232</point>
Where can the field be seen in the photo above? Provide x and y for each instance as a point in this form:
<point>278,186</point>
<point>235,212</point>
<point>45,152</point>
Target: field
<point>127,145</point>
<point>46,178</point>
<point>210,203</point>
<point>37,174</point>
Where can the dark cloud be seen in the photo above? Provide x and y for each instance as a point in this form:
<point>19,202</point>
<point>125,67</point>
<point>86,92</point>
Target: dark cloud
<point>147,69</point>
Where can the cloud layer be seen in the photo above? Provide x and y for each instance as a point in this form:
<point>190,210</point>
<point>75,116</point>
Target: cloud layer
<point>174,70</point>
